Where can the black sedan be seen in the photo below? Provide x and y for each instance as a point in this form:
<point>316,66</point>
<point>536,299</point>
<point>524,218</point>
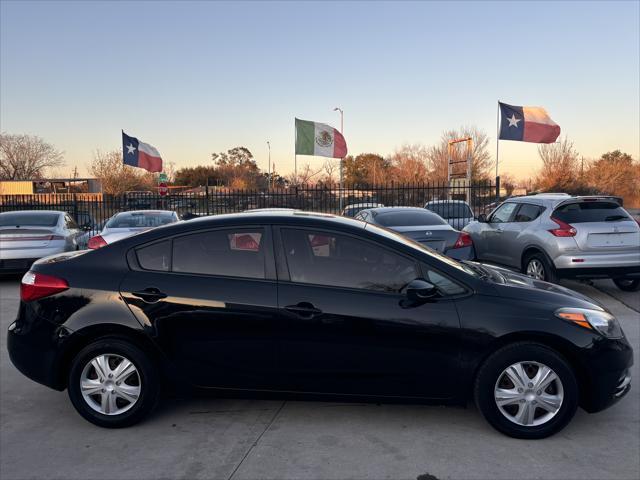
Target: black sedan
<point>310,303</point>
<point>422,226</point>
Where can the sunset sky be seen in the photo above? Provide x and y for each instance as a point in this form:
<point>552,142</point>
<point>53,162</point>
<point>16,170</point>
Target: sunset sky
<point>193,78</point>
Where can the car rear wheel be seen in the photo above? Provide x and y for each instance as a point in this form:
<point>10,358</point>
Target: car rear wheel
<point>537,266</point>
<point>627,285</point>
<point>526,390</point>
<point>113,383</point>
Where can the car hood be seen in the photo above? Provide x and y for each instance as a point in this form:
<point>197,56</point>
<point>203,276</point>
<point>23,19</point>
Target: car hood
<point>516,285</point>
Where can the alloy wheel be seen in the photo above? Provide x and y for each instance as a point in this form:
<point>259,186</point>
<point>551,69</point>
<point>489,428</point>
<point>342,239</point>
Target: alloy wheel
<point>110,384</point>
<point>529,393</point>
<point>535,269</point>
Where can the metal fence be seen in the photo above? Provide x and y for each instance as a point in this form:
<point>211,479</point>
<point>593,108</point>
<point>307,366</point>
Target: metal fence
<point>215,200</point>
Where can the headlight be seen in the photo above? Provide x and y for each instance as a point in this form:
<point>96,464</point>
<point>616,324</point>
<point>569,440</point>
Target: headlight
<point>598,320</point>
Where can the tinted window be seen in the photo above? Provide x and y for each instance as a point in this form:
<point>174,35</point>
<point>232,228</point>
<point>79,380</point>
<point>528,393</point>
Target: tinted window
<point>229,252</point>
<point>32,219</point>
<point>503,213</point>
<point>141,220</point>
<point>451,210</point>
<point>591,212</point>
<point>325,258</point>
<point>527,213</point>
<point>408,218</point>
<point>156,256</point>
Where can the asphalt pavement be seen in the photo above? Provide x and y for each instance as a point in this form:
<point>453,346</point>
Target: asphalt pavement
<point>41,436</point>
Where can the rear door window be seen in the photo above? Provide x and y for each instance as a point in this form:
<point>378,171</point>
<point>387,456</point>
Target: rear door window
<point>583,212</point>
<point>527,213</point>
<point>225,252</point>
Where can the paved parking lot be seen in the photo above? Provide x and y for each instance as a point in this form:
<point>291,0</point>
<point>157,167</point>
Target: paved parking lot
<point>41,436</point>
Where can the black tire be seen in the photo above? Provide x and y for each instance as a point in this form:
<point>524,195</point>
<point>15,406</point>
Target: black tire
<point>549,271</point>
<point>491,371</point>
<point>627,285</point>
<point>148,381</point>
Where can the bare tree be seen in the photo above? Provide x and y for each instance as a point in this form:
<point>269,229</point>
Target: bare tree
<point>560,167</point>
<point>331,170</point>
<point>116,177</point>
<point>481,162</point>
<point>23,157</point>
<point>409,164</point>
<point>306,175</point>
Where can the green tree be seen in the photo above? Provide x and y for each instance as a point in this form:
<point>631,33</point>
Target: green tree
<point>366,169</point>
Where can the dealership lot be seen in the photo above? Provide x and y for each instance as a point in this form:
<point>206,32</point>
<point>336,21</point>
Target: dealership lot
<point>41,436</point>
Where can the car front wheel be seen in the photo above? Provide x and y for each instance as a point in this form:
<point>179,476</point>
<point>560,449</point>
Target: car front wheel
<point>526,390</point>
<point>113,383</point>
<point>627,285</point>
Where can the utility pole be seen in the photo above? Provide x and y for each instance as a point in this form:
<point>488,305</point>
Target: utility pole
<point>269,167</point>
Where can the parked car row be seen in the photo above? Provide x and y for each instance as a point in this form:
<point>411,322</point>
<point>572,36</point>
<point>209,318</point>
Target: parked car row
<point>28,235</point>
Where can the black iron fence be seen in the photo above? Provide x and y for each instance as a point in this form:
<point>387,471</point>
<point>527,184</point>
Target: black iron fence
<point>215,200</point>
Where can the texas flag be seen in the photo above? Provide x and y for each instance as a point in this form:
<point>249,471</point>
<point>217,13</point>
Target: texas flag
<point>140,154</point>
<point>527,124</point>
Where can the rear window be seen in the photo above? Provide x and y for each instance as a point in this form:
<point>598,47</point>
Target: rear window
<point>141,220</point>
<point>451,210</point>
<point>584,212</point>
<point>408,219</point>
<point>156,256</point>
<point>34,219</point>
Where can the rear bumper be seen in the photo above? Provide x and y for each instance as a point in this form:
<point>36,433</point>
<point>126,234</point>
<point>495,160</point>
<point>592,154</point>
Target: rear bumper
<point>464,253</point>
<point>600,272</point>
<point>606,260</point>
<point>16,265</point>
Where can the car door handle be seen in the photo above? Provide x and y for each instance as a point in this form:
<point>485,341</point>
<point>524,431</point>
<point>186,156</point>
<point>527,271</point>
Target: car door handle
<point>150,294</point>
<point>303,309</point>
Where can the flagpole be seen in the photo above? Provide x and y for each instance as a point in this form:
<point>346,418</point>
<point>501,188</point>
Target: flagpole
<point>295,154</point>
<point>338,109</point>
<point>497,149</point>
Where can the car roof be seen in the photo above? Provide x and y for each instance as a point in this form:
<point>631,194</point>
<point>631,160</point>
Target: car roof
<point>138,212</point>
<point>277,216</point>
<point>59,212</point>
<point>364,204</point>
<point>397,209</point>
<point>446,201</point>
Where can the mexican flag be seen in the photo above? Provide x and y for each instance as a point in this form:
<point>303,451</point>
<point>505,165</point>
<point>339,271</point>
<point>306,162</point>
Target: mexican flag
<point>319,139</point>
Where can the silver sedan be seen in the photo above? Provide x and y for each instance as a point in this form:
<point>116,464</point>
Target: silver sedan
<point>28,235</point>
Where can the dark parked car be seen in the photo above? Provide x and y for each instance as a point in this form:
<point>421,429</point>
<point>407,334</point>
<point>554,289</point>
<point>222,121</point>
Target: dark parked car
<point>422,226</point>
<point>304,302</point>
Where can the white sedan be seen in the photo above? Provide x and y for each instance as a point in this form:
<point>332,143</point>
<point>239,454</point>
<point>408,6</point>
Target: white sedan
<point>125,224</point>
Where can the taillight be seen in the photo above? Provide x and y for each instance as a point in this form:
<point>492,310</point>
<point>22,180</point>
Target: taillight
<point>38,285</point>
<point>96,242</point>
<point>565,229</point>
<point>464,240</point>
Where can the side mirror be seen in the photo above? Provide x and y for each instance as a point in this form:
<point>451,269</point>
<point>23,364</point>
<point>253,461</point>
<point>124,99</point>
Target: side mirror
<point>419,290</point>
<point>482,218</point>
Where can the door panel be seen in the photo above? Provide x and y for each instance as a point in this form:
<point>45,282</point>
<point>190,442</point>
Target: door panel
<point>209,299</point>
<point>347,328</point>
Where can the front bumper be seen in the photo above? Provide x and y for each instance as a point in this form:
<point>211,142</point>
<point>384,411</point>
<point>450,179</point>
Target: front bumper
<point>607,376</point>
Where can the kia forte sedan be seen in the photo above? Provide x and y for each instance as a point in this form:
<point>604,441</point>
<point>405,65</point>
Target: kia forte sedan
<point>311,303</point>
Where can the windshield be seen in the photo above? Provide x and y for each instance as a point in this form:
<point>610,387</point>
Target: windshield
<point>410,218</point>
<point>451,210</point>
<point>30,219</point>
<point>421,248</point>
<point>141,220</point>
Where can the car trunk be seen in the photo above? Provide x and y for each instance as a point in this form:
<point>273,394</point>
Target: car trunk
<point>26,237</point>
<point>437,237</point>
<point>607,236</point>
